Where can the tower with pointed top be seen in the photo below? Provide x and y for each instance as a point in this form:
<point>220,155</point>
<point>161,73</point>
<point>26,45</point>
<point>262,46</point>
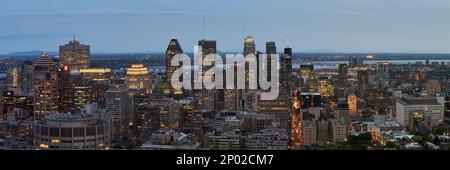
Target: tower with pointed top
<point>46,101</point>
<point>173,49</point>
<point>74,55</point>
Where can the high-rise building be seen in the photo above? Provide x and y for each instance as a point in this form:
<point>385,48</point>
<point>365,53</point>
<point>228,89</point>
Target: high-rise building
<point>117,104</point>
<point>27,77</point>
<point>271,51</point>
<point>210,99</point>
<point>342,73</point>
<point>363,82</point>
<point>382,75</point>
<point>46,94</point>
<point>173,49</point>
<point>343,114</point>
<point>74,55</point>
<point>169,111</point>
<point>309,78</point>
<point>137,79</point>
<point>146,121</point>
<point>96,82</point>
<point>16,105</point>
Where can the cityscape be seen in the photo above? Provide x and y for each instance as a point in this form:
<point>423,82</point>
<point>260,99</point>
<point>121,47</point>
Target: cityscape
<point>73,98</point>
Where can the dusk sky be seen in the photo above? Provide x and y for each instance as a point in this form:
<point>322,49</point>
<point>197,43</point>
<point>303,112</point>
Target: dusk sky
<point>304,25</point>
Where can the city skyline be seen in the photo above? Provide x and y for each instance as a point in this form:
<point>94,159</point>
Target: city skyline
<point>306,26</point>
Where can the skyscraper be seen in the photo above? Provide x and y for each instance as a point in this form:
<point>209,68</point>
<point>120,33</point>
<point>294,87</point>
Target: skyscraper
<point>271,50</point>
<point>74,55</point>
<point>363,80</point>
<point>46,96</point>
<point>138,79</point>
<point>27,77</point>
<point>173,49</point>
<point>382,74</point>
<point>209,99</point>
<point>117,104</point>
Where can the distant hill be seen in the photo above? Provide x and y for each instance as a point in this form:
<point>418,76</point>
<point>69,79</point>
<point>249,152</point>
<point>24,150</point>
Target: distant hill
<point>31,53</point>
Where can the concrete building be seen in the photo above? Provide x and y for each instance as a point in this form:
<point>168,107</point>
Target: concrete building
<point>67,131</point>
<point>410,110</point>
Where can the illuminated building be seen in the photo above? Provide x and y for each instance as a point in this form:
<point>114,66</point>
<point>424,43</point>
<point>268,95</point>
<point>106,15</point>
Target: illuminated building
<point>68,79</point>
<point>15,78</point>
<point>352,105</point>
<point>46,101</point>
<point>137,78</point>
<point>117,104</point>
<point>309,78</point>
<point>74,55</point>
<point>146,121</point>
<point>173,49</point>
<point>27,77</point>
<point>326,87</point>
<point>16,105</point>
<point>208,99</point>
<point>67,131</point>
<point>410,108</point>
<point>168,112</point>
<point>224,141</point>
<point>96,82</point>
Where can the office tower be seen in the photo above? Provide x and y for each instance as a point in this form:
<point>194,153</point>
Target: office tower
<point>27,77</point>
<point>382,75</point>
<point>169,111</point>
<point>46,96</point>
<point>309,78</point>
<point>409,111</point>
<point>285,72</point>
<point>137,79</point>
<point>363,83</point>
<point>352,105</point>
<point>74,55</point>
<point>173,49</point>
<point>209,99</point>
<point>325,87</point>
<point>117,104</point>
<point>146,121</point>
<point>72,131</point>
<point>94,83</point>
<point>15,78</point>
<point>342,111</point>
<point>271,51</point>
<point>249,46</point>
<point>68,80</point>
<point>342,74</point>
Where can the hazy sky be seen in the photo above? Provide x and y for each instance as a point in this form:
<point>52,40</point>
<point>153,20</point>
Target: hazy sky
<point>304,25</point>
